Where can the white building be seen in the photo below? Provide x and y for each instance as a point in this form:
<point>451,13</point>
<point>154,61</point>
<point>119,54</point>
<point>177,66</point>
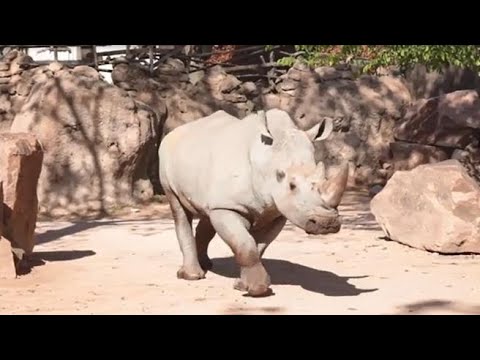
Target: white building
<point>74,53</point>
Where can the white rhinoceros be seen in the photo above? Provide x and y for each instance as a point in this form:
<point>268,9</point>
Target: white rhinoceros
<point>243,179</point>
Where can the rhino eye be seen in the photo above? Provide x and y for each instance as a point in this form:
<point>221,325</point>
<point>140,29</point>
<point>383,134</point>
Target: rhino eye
<point>292,186</point>
<point>280,175</point>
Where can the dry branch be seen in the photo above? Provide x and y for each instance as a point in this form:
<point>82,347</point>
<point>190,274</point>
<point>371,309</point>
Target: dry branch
<point>252,67</point>
<point>237,51</point>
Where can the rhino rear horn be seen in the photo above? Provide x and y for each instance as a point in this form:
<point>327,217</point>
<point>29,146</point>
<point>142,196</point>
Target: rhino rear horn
<point>332,190</point>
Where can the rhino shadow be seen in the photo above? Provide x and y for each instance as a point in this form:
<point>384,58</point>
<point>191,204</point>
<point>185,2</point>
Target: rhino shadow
<point>284,272</point>
<point>40,258</point>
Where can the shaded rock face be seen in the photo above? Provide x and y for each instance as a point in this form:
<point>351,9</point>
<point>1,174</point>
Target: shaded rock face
<point>179,98</point>
<point>364,112</point>
<point>21,157</point>
<point>434,207</point>
<point>98,143</point>
<point>451,120</point>
<point>425,84</point>
<point>447,126</point>
<point>408,156</point>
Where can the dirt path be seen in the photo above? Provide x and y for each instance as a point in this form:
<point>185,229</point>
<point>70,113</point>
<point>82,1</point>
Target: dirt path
<point>128,266</point>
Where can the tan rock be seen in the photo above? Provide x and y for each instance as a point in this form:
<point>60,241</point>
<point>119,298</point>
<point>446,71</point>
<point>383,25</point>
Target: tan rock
<point>449,120</point>
<point>21,158</point>
<point>434,207</point>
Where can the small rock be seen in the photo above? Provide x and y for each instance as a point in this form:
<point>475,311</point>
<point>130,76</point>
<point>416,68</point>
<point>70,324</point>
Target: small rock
<point>15,79</point>
<point>196,77</point>
<point>229,83</point>
<point>10,55</point>
<point>301,66</point>
<point>293,74</point>
<point>459,154</point>
<point>23,87</point>
<point>40,78</point>
<point>55,66</point>
<point>175,64</point>
<point>374,190</point>
<point>4,66</point>
<point>5,103</point>
<point>290,93</point>
<point>235,98</point>
<point>5,89</point>
<point>271,101</point>
<point>327,73</point>
<point>346,75</point>
<point>287,85</point>
<point>86,71</point>
<point>20,63</point>
<point>250,88</point>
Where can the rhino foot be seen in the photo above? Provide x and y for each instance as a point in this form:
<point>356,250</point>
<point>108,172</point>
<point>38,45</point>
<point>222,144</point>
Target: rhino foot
<point>190,274</point>
<point>206,264</point>
<point>239,285</point>
<point>255,280</point>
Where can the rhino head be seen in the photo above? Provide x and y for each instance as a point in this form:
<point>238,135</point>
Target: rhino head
<point>297,185</point>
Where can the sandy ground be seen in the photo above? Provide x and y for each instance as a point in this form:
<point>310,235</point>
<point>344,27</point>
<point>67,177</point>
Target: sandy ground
<point>128,265</point>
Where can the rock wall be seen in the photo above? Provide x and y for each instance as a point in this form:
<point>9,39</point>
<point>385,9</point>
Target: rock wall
<point>364,110</point>
<point>101,141</point>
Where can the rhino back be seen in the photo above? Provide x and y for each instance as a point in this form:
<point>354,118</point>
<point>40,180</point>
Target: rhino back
<point>206,163</point>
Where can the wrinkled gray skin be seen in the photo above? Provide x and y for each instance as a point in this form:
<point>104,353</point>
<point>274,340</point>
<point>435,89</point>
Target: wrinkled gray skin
<point>243,179</point>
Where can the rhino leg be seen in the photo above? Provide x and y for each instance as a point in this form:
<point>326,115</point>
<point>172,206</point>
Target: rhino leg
<point>204,233</point>
<point>191,269</point>
<point>233,229</point>
<point>267,234</point>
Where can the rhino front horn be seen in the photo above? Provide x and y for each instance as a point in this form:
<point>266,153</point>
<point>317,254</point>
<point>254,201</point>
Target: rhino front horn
<point>332,190</point>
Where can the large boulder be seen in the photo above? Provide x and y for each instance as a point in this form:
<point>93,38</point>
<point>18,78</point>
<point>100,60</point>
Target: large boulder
<point>21,158</point>
<point>434,207</point>
<point>451,120</point>
<point>98,143</point>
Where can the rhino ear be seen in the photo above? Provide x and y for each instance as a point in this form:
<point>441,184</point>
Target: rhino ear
<point>277,122</point>
<point>320,131</point>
